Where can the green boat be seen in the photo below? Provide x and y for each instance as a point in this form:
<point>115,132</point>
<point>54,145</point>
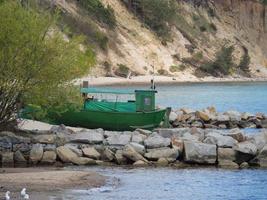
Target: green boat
<point>112,110</point>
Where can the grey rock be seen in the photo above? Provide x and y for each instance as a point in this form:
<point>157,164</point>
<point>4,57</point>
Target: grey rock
<point>262,157</point>
<point>36,153</point>
<point>200,152</point>
<point>108,155</point>
<point>155,154</point>
<point>246,148</point>
<point>83,161</point>
<point>233,115</point>
<point>61,129</point>
<point>65,154</point>
<point>119,139</point>
<point>222,118</point>
<point>162,162</point>
<point>44,139</point>
<point>49,147</point>
<point>91,152</point>
<point>138,147</point>
<point>244,165</point>
<point>226,154</point>
<point>173,116</point>
<point>130,153</point>
<point>156,141</point>
<point>138,137</point>
<point>144,132</point>
<point>7,158</point>
<point>13,138</point>
<point>260,139</point>
<point>120,159</point>
<point>237,134</point>
<point>75,148</point>
<point>19,158</point>
<point>88,136</point>
<point>49,157</point>
<point>220,140</point>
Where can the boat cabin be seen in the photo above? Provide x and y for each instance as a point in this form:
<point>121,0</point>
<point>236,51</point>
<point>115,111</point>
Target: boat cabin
<point>140,101</point>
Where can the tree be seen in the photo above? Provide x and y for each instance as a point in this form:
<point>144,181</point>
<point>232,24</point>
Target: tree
<point>245,61</point>
<point>35,58</point>
<point>223,62</point>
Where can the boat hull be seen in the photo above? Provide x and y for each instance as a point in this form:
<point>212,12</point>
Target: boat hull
<point>120,121</point>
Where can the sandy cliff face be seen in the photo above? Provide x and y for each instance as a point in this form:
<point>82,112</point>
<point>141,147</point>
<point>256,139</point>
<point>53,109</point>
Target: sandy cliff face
<point>242,23</point>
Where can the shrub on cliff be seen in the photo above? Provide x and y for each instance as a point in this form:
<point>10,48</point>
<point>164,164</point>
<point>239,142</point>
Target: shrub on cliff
<point>35,60</point>
<point>245,61</point>
<point>100,12</point>
<point>156,14</point>
<point>222,64</point>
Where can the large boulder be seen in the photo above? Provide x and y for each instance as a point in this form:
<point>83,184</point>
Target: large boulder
<point>138,148</point>
<point>200,153</point>
<point>203,116</point>
<point>75,148</point>
<point>108,154</point>
<point>140,163</point>
<point>7,158</point>
<point>156,141</point>
<point>237,134</point>
<point>120,159</point>
<point>119,139</point>
<point>262,157</point>
<point>44,139</point>
<point>246,147</point>
<point>13,138</point>
<point>220,140</point>
<point>173,116</point>
<point>233,115</point>
<point>228,164</point>
<point>5,144</point>
<point>36,153</point>
<point>155,154</point>
<point>226,154</point>
<point>177,144</point>
<point>65,154</point>
<point>221,118</point>
<point>260,139</point>
<point>130,153</point>
<point>49,157</point>
<point>60,129</point>
<point>88,136</point>
<point>91,152</point>
<point>138,137</point>
<point>19,158</point>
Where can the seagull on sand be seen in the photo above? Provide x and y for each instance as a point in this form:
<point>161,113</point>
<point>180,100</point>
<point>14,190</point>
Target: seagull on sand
<point>23,194</point>
<point>7,195</point>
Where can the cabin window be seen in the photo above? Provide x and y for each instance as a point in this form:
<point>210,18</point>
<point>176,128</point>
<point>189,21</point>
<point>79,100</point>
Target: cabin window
<point>147,101</point>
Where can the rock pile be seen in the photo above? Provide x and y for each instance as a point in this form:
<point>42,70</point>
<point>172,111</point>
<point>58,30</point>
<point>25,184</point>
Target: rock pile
<point>163,147</point>
<point>210,118</point>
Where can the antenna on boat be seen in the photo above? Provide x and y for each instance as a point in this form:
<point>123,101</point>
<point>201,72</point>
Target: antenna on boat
<point>153,86</point>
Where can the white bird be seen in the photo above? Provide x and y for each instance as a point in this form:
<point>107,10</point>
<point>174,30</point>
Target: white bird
<point>7,195</point>
<point>23,192</point>
<point>26,196</point>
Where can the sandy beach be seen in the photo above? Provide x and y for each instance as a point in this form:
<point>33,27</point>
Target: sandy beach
<point>46,180</point>
<point>142,80</point>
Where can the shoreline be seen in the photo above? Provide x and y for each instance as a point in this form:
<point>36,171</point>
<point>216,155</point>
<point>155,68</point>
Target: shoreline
<point>162,80</point>
<point>47,179</point>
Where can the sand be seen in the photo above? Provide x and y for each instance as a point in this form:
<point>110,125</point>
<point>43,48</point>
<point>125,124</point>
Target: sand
<point>42,180</point>
<point>145,80</point>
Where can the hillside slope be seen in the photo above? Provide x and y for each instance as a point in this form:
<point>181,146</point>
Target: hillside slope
<point>196,36</point>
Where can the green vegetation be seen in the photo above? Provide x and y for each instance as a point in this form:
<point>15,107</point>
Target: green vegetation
<point>156,14</point>
<point>103,14</point>
<point>175,68</point>
<point>122,70</point>
<point>203,24</point>
<point>264,2</point>
<point>223,63</point>
<point>162,72</point>
<point>245,61</point>
<point>36,62</point>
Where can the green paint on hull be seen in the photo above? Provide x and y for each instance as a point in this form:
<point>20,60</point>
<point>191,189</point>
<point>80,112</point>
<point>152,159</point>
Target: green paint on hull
<point>120,121</point>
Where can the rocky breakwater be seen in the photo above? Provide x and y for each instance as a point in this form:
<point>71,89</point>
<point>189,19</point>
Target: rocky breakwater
<point>210,118</point>
<point>177,147</point>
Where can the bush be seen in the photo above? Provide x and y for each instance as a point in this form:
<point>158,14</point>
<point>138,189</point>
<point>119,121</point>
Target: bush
<point>156,14</point>
<point>245,61</point>
<point>222,64</point>
<point>122,70</point>
<point>100,12</point>
<point>162,72</point>
<point>175,68</point>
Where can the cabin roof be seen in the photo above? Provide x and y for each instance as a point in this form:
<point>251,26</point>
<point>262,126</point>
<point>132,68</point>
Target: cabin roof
<point>112,91</point>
